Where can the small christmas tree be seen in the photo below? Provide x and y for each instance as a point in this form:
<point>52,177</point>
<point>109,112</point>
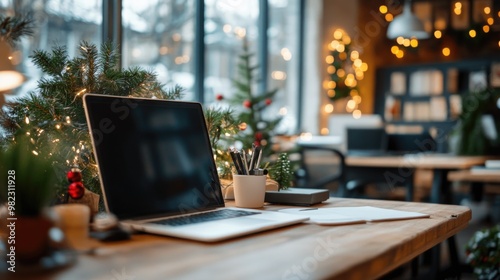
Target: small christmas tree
<point>255,128</point>
<point>281,172</point>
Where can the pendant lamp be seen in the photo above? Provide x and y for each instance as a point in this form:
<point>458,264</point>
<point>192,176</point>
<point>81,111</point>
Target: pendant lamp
<point>407,25</point>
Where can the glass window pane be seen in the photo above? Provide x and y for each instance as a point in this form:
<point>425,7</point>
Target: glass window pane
<point>57,22</point>
<point>227,22</point>
<point>282,54</point>
<point>159,35</point>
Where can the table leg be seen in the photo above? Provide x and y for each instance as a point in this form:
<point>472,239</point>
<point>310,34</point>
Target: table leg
<point>440,186</point>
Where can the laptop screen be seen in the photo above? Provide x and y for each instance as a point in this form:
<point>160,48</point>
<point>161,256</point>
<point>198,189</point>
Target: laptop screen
<point>154,156</point>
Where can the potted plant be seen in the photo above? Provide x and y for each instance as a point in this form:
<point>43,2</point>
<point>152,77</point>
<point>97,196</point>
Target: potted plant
<point>30,187</point>
<point>483,253</point>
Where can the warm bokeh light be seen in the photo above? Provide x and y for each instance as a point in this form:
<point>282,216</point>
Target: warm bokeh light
<point>357,63</point>
<point>400,54</point>
<point>446,51</point>
<point>351,104</point>
<point>331,69</point>
<point>354,55</point>
<point>490,21</point>
<point>389,17</point>
<point>325,131</point>
<point>287,55</point>
<point>332,84</point>
<point>487,10</point>
<point>357,99</point>
<point>328,108</point>
<point>341,48</point>
<point>414,43</point>
<point>486,28</point>
<point>458,5</point>
<point>329,59</point>
<point>337,34</point>
<point>227,28</point>
<point>364,66</point>
<point>383,9</point>
<point>438,34</point>
<point>341,73</point>
<point>472,33</point>
<point>400,40</point>
<point>343,55</point>
<point>394,49</point>
<point>331,93</point>
<point>278,75</point>
<point>406,42</point>
<point>354,92</point>
<point>356,114</point>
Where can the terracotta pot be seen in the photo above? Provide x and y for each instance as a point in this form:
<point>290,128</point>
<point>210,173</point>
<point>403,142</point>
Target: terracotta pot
<point>31,238</point>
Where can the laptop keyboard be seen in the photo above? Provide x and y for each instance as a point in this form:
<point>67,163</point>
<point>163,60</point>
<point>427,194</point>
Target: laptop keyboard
<point>205,217</point>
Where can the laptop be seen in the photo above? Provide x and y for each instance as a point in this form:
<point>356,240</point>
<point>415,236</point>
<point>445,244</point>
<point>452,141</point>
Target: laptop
<point>158,173</point>
<point>366,141</point>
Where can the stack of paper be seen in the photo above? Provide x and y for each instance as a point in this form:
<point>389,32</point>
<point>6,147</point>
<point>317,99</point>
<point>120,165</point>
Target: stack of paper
<point>353,215</point>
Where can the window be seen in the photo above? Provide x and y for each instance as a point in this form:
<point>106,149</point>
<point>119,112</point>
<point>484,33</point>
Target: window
<point>60,22</point>
<point>159,35</point>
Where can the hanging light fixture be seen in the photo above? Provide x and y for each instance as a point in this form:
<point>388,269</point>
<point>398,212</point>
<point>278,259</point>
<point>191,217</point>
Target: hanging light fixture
<point>407,25</point>
<point>9,77</point>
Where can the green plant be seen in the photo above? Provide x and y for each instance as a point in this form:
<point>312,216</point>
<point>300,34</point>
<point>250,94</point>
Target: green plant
<point>483,253</point>
<point>471,136</point>
<point>281,172</point>
<point>29,177</point>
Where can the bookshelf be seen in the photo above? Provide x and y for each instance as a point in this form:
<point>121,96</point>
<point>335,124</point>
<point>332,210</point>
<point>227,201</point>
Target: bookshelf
<point>430,95</point>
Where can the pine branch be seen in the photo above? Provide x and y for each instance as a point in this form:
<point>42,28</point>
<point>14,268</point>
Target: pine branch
<point>13,28</point>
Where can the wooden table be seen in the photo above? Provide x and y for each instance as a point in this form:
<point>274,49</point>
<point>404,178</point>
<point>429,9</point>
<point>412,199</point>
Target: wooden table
<point>477,181</point>
<point>468,176</point>
<point>440,164</point>
<point>361,251</point>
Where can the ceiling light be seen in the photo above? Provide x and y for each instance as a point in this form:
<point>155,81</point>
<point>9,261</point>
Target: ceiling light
<point>407,25</point>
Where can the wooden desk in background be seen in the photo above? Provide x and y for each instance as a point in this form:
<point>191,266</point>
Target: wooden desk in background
<point>477,181</point>
<point>440,164</point>
<point>303,251</point>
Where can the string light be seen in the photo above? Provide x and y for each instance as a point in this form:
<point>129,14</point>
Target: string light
<point>27,120</point>
<point>438,34</point>
<point>446,51</point>
<point>345,68</point>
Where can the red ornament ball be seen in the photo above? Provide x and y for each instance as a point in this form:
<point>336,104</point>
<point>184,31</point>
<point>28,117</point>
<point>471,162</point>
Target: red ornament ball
<point>76,190</point>
<point>268,101</point>
<point>247,104</point>
<point>74,175</point>
<point>219,97</point>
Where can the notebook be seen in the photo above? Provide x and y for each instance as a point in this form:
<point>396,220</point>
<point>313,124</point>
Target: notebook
<point>158,173</point>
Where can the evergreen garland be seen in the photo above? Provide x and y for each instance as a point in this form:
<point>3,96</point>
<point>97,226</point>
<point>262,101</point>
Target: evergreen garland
<point>221,122</point>
<point>281,172</point>
<point>53,115</point>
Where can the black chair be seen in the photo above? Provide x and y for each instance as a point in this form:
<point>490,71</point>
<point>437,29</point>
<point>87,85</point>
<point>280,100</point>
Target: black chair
<point>321,168</point>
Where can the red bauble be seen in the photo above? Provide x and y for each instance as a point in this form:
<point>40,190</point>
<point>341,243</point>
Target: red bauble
<point>247,104</point>
<point>74,175</point>
<point>268,101</point>
<point>219,96</point>
<point>76,190</point>
<point>258,136</point>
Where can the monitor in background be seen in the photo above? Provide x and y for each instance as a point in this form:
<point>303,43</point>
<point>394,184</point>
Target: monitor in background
<point>366,141</point>
<point>338,125</point>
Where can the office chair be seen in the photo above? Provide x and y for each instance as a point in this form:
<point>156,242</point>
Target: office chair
<point>321,168</point>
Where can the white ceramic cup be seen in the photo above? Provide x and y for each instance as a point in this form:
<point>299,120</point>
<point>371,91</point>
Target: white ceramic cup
<point>73,220</point>
<point>249,190</point>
